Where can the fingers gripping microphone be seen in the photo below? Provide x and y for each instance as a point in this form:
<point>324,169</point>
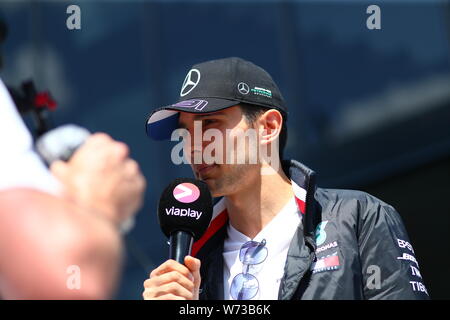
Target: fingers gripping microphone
<point>184,213</point>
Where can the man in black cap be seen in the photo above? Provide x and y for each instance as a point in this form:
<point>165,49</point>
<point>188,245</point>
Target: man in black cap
<point>274,233</point>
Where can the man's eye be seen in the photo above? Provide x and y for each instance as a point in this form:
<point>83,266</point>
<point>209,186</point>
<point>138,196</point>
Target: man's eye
<point>209,121</point>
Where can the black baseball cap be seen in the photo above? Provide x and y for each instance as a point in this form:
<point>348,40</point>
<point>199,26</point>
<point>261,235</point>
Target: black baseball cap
<point>216,85</point>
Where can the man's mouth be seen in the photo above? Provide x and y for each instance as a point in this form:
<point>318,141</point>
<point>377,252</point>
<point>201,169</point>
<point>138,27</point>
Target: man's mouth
<point>203,169</point>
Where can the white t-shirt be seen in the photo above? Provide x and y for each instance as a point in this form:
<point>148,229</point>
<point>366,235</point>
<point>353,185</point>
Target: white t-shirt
<point>278,234</point>
<point>20,166</point>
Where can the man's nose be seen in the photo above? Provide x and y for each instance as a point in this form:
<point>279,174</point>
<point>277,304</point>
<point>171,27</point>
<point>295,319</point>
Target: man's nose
<point>196,149</point>
<point>193,148</point>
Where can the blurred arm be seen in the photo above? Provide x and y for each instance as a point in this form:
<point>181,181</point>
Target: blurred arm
<point>42,237</point>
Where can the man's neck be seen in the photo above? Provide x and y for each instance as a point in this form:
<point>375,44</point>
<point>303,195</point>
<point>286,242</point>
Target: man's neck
<point>251,209</point>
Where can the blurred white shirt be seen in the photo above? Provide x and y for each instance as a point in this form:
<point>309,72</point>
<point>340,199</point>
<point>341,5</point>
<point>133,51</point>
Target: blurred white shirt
<point>20,166</point>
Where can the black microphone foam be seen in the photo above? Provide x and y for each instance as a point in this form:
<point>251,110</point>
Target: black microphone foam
<point>185,205</point>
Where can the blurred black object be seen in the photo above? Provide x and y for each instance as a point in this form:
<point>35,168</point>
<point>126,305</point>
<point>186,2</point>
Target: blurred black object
<point>26,98</point>
<point>38,104</point>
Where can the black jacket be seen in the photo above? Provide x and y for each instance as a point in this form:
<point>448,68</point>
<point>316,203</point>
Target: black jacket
<point>349,245</point>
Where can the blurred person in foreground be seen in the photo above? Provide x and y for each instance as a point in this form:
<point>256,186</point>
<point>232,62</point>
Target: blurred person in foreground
<point>275,234</point>
<point>52,223</point>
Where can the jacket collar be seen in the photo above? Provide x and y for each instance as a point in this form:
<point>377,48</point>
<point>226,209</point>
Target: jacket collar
<point>301,253</point>
<point>303,181</point>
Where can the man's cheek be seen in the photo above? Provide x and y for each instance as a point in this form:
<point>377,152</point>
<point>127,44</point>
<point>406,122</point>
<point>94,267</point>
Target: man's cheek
<point>241,147</point>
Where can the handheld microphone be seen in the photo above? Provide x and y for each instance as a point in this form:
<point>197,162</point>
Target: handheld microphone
<point>184,213</point>
<point>61,143</point>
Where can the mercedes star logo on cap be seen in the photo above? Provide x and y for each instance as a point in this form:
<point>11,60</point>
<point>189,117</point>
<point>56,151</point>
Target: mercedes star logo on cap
<point>243,88</point>
<point>190,82</point>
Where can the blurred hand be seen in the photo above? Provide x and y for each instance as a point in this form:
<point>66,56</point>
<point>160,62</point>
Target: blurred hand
<point>101,176</point>
<point>174,281</point>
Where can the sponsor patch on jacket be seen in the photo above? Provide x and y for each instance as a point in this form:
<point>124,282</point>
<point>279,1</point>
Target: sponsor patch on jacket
<point>328,263</point>
<point>326,247</point>
<point>321,235</point>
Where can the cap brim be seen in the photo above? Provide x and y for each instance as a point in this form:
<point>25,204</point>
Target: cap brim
<point>163,121</point>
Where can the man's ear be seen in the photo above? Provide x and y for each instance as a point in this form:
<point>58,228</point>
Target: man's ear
<point>270,122</point>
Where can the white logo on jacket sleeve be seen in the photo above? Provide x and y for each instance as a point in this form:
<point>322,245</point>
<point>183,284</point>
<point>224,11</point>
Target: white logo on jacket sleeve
<point>405,244</point>
<point>416,286</point>
<point>408,257</point>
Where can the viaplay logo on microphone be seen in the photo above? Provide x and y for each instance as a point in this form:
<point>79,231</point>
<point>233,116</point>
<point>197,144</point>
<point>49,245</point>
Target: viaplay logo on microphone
<point>185,193</point>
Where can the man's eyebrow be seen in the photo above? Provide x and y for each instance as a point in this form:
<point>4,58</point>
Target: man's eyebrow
<point>199,117</point>
<point>203,115</point>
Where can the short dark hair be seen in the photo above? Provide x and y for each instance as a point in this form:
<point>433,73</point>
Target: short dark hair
<point>252,112</point>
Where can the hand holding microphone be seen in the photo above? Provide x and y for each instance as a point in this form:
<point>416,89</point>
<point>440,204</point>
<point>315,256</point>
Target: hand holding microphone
<point>184,212</point>
<point>96,171</point>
